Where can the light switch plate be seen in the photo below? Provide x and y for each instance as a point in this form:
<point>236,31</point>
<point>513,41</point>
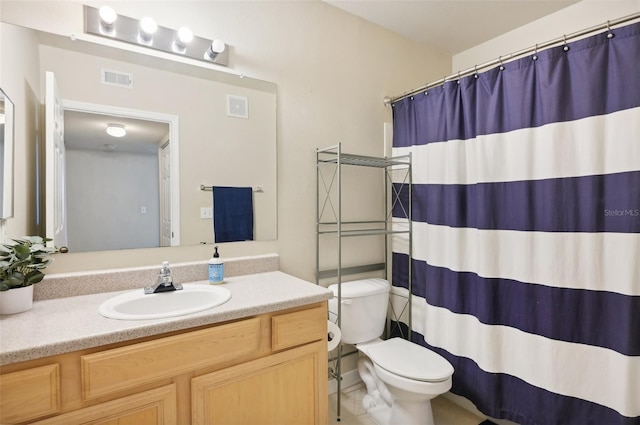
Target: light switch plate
<point>206,212</point>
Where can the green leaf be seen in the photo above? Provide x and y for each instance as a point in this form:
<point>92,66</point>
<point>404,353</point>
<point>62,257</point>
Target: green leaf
<point>22,251</point>
<point>33,277</point>
<point>21,262</point>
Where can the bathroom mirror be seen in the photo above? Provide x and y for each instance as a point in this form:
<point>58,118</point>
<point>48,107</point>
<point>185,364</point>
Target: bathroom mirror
<point>217,146</point>
<point>6,155</point>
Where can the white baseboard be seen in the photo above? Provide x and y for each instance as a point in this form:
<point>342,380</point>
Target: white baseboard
<point>349,379</point>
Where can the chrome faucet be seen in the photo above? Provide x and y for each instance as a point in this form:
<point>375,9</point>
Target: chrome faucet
<point>164,283</point>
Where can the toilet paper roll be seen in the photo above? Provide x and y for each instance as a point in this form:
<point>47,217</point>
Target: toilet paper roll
<point>333,335</point>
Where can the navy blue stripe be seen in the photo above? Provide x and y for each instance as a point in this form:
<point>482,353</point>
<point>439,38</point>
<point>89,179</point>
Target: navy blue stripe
<point>602,203</point>
<point>503,396</point>
<point>485,106</point>
<point>598,318</point>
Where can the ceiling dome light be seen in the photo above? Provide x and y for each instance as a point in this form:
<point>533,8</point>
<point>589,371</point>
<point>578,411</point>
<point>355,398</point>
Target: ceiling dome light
<point>217,47</point>
<point>107,15</point>
<point>116,130</point>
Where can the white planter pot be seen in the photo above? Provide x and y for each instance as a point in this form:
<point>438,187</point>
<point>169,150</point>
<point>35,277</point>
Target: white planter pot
<point>16,300</point>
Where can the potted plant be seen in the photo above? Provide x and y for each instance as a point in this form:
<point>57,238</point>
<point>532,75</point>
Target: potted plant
<point>21,266</point>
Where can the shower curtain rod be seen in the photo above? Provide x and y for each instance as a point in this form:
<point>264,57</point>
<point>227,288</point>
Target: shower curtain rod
<point>502,59</point>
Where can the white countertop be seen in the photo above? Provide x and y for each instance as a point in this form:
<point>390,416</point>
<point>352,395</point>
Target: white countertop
<point>62,325</point>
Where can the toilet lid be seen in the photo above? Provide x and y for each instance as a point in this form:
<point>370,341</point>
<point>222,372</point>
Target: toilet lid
<point>411,361</point>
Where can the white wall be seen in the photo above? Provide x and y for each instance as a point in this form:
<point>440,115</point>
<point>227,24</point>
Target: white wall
<point>580,16</point>
<point>332,71</point>
<point>124,182</point>
<point>21,81</point>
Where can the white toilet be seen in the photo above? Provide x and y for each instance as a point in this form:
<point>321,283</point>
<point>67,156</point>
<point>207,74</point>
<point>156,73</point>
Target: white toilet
<point>401,377</point>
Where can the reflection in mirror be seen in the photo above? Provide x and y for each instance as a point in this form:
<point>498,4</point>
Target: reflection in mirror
<point>116,182</point>
<point>218,147</point>
<point>6,155</point>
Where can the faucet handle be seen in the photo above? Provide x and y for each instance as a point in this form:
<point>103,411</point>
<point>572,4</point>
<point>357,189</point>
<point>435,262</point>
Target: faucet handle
<point>165,268</point>
<point>164,282</point>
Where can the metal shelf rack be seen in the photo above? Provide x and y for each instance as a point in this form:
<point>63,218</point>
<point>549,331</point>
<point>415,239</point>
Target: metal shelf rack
<point>331,226</point>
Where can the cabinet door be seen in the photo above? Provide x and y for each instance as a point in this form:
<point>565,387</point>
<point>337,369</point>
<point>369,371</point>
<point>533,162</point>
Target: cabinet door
<point>29,394</point>
<point>153,407</point>
<point>285,388</point>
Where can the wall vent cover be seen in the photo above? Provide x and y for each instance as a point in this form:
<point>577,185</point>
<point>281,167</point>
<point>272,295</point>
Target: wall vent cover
<point>237,106</point>
<point>117,78</point>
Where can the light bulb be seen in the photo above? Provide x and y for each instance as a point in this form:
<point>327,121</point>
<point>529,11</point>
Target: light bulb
<point>107,15</point>
<point>148,26</point>
<point>217,47</point>
<point>185,35</point>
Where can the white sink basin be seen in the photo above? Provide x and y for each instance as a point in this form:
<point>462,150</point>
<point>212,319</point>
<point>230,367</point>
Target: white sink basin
<point>136,305</point>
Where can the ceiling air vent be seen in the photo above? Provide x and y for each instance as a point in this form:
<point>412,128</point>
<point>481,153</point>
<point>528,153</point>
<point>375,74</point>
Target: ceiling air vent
<point>117,78</point>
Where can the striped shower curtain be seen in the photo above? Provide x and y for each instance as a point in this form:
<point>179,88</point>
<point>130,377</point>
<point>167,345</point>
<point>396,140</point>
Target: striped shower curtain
<point>526,231</point>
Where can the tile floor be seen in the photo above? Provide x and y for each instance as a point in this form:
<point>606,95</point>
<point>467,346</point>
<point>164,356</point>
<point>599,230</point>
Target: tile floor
<point>445,412</point>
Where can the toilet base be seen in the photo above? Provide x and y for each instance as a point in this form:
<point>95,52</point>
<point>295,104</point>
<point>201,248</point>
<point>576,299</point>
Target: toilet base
<point>411,413</point>
<point>403,413</point>
<point>392,406</point>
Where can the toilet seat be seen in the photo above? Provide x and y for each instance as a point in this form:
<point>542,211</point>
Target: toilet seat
<point>409,360</point>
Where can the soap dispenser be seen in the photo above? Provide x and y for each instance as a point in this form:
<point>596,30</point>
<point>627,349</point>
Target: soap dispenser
<point>216,268</point>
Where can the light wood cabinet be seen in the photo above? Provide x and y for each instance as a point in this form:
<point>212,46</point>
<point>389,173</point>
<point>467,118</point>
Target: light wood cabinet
<point>282,389</point>
<point>29,393</point>
<point>265,369</point>
<point>153,407</point>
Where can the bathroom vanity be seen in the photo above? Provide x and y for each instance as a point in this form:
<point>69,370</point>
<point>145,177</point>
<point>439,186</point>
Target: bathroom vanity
<point>260,358</point>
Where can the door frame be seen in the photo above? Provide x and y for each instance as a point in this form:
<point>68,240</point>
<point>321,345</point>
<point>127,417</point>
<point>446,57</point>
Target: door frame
<point>174,147</point>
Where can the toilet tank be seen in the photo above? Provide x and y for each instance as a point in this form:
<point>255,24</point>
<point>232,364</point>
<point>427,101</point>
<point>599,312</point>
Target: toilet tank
<point>364,309</point>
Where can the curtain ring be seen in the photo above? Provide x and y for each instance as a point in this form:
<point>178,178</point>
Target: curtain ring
<point>535,53</point>
<point>476,76</point>
<point>501,64</point>
<point>566,46</point>
<point>458,77</point>
<point>610,35</point>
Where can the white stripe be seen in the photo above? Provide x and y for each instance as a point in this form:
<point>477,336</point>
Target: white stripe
<point>595,261</point>
<point>595,145</point>
<point>591,373</point>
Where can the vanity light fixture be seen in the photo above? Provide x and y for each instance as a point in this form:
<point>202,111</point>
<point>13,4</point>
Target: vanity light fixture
<point>116,130</point>
<point>105,22</point>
